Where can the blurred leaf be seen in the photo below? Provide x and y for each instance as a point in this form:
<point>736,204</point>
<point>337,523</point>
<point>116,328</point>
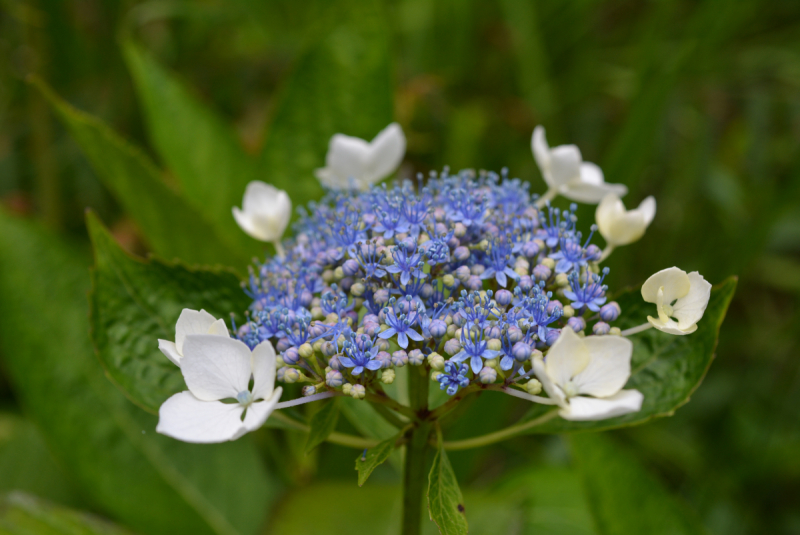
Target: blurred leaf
<point>341,83</point>
<point>322,424</point>
<point>170,225</point>
<point>21,514</point>
<point>664,367</point>
<point>153,483</point>
<point>135,302</point>
<point>370,424</point>
<point>623,497</point>
<point>372,458</point>
<point>26,465</point>
<point>196,145</point>
<point>445,502</point>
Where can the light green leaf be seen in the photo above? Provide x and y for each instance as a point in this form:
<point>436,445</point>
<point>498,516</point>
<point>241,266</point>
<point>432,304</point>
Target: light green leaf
<point>341,83</point>
<point>22,514</point>
<point>170,226</point>
<point>623,497</point>
<point>136,302</point>
<point>667,369</point>
<point>445,502</point>
<point>369,423</point>
<point>372,458</point>
<point>201,150</point>
<point>322,424</point>
<point>107,445</point>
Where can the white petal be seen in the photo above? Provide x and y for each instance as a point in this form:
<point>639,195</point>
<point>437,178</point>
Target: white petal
<point>616,225</point>
<point>567,358</point>
<point>670,326</point>
<point>591,188</point>
<point>249,224</point>
<point>266,211</point>
<point>552,390</point>
<point>541,151</point>
<point>258,412</point>
<point>263,362</point>
<point>215,367</point>
<point>583,408</point>
<point>385,154</point>
<point>648,209</point>
<point>189,419</point>
<point>674,281</point>
<point>690,308</point>
<point>170,350</point>
<point>346,157</point>
<point>330,180</point>
<point>219,328</point>
<point>609,366</point>
<point>565,165</point>
<point>191,322</point>
<point>260,197</point>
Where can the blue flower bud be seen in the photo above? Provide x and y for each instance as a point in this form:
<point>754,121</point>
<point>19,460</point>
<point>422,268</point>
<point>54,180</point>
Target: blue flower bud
<point>552,336</point>
<point>461,253</point>
<point>381,296</point>
<point>309,390</point>
<point>576,323</point>
<point>514,334</point>
<point>462,273</point>
<point>492,331</point>
<point>291,356</point>
<point>452,346</point>
<point>282,345</point>
<point>334,363</point>
<point>530,249</point>
<point>474,283</point>
<point>542,272</point>
<point>487,375</point>
<point>350,267</point>
<point>333,378</point>
<point>384,358</point>
<point>504,297</point>
<point>415,357</point>
<point>601,328</point>
<point>399,358</point>
<point>437,328</point>
<point>553,305</point>
<point>610,312</point>
<point>525,283</point>
<point>521,351</point>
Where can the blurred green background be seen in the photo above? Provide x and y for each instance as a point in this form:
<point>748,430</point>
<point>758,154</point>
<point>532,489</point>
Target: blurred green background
<point>696,103</point>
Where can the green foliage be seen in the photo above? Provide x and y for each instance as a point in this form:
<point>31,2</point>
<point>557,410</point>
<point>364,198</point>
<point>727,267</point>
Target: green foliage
<point>201,150</point>
<point>136,302</point>
<point>340,83</point>
<point>372,458</point>
<point>107,445</point>
<point>21,514</point>
<point>666,368</point>
<point>322,424</point>
<point>170,225</point>
<point>623,497</point>
<point>445,502</point>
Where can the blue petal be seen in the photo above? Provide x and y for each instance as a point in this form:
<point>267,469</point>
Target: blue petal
<point>402,340</point>
<point>357,370</point>
<point>501,279</point>
<point>374,365</point>
<point>506,363</point>
<point>405,277</point>
<point>476,363</point>
<point>461,356</point>
<point>347,362</point>
<point>570,295</point>
<point>414,335</point>
<point>488,273</point>
<point>388,333</point>
<point>393,269</point>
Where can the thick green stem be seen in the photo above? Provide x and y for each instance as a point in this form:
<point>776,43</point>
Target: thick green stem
<point>416,453</point>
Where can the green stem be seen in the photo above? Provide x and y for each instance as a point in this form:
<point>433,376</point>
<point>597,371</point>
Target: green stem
<point>416,453</point>
<point>499,436</point>
<point>336,438</point>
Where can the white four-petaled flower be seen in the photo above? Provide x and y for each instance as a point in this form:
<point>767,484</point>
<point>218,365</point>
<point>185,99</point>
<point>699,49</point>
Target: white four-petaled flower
<point>353,163</point>
<point>565,171</point>
<point>679,295</point>
<point>265,212</point>
<point>218,368</point>
<point>191,322</point>
<point>597,366</point>
<point>622,227</point>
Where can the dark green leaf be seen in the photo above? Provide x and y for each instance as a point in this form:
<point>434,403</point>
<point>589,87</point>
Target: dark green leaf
<point>21,514</point>
<point>322,424</point>
<point>372,458</point>
<point>341,83</point>
<point>136,302</point>
<point>665,368</point>
<point>623,497</point>
<point>170,225</point>
<point>445,502</point>
<point>196,145</point>
<point>107,445</point>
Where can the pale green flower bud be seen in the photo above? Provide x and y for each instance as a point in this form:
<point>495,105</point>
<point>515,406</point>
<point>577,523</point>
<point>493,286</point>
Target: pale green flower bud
<point>358,391</point>
<point>306,351</point>
<point>533,387</point>
<point>387,377</point>
<point>436,361</point>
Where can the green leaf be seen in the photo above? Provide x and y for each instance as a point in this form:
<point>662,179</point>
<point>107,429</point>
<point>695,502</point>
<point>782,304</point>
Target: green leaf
<point>374,457</point>
<point>365,418</point>
<point>108,446</point>
<point>136,302</point>
<point>171,227</point>
<point>341,83</point>
<point>201,150</point>
<point>623,497</point>
<point>22,514</point>
<point>445,502</point>
<point>667,369</point>
<point>322,424</point>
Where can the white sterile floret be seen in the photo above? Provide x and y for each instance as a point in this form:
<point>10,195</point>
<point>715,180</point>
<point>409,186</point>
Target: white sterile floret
<point>265,212</point>
<point>597,366</point>
<point>565,171</point>
<point>191,322</point>
<point>677,295</point>
<point>218,368</point>
<point>622,227</point>
<point>353,163</point>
